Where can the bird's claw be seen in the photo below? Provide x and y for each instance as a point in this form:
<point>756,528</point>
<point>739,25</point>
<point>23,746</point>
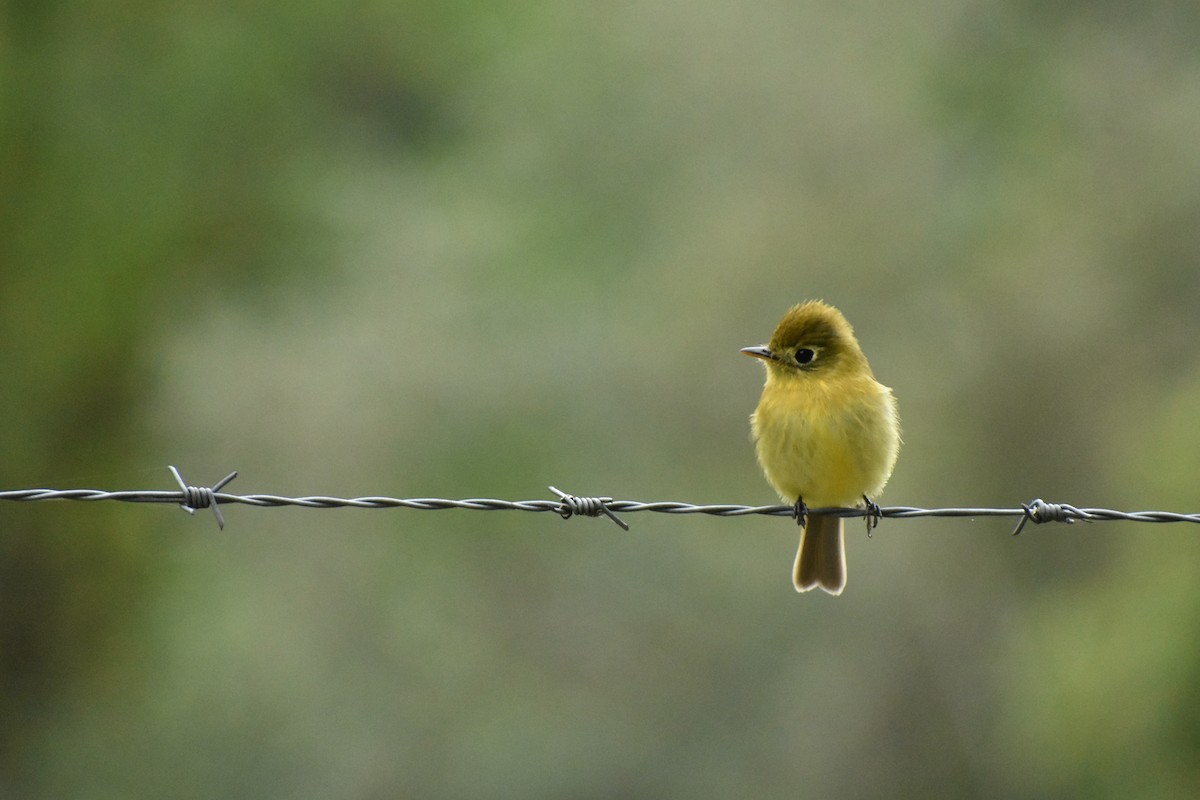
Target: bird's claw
<point>800,513</point>
<point>873,515</point>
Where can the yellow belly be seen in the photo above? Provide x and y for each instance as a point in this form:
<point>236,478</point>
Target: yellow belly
<point>827,447</point>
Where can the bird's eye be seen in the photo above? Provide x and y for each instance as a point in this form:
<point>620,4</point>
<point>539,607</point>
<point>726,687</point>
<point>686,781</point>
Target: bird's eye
<point>804,355</point>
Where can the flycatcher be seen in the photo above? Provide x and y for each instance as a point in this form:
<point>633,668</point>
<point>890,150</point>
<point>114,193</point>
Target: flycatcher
<point>826,432</point>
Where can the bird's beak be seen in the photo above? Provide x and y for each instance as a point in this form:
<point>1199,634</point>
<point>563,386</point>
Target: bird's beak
<point>760,352</point>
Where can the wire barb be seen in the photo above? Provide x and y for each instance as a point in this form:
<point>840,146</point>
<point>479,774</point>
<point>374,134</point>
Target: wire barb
<point>587,506</point>
<point>198,497</point>
<point>1040,511</point>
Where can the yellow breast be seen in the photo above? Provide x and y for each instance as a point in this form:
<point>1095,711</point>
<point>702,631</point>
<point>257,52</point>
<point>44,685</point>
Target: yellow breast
<point>827,442</point>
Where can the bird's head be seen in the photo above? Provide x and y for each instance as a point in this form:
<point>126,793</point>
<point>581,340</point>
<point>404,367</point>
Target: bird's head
<point>813,338</point>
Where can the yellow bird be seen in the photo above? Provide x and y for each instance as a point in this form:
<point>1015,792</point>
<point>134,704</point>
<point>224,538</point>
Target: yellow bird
<point>827,433</point>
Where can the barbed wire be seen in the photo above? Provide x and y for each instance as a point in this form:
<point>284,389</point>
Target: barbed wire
<point>194,498</point>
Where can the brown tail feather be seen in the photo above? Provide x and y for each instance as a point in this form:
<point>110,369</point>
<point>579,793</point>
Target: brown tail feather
<point>821,560</point>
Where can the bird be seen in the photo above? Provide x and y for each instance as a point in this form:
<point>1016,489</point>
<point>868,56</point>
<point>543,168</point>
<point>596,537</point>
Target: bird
<point>825,431</point>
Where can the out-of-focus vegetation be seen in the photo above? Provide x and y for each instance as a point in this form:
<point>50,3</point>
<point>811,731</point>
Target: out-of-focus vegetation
<point>454,249</point>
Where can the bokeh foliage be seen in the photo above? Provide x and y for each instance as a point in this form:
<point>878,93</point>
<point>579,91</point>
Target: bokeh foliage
<point>459,249</point>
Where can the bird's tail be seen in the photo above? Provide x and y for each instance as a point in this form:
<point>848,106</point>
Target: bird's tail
<point>821,560</point>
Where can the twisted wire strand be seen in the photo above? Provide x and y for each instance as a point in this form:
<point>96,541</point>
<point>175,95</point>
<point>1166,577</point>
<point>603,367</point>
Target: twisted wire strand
<point>193,498</point>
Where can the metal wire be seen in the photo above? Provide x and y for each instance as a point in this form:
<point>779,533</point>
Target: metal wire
<point>192,498</point>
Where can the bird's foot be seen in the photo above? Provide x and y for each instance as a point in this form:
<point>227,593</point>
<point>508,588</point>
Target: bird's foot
<point>800,512</point>
<point>874,514</point>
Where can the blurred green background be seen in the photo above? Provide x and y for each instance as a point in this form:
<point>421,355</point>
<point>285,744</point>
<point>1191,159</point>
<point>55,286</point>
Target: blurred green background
<point>458,249</point>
